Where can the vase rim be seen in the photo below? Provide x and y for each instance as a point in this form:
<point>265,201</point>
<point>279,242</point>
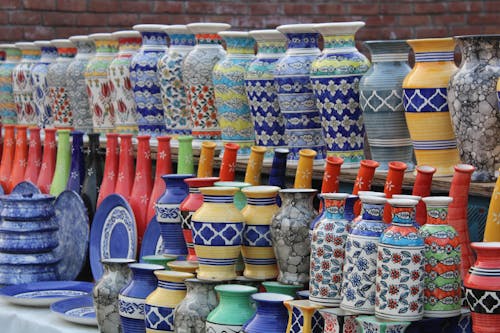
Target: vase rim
<point>259,190</point>
<point>195,280</point>
<point>8,46</point>
<point>282,150</point>
<point>177,176</point>
<point>235,288</point>
<point>389,41</point>
<point>304,304</point>
<point>467,168</point>
<point>279,284</point>
<point>207,27</point>
<point>485,245</point>
<point>372,200</point>
<point>201,181</point>
<point>219,190</point>
<point>339,28</point>
<point>370,163</point>
<point>398,165</point>
<point>437,201</point>
<point>267,35</point>
<point>164,138</point>
<point>271,297</point>
<point>234,34</point>
<point>126,34</point>
<point>62,43</point>
<point>174,275</point>
<point>26,46</point>
<point>446,44</point>
<point>117,261</point>
<point>177,29</point>
<point>209,144</point>
<point>335,160</point>
<point>334,196</point>
<point>495,36</point>
<point>407,196</point>
<point>145,266</point>
<point>149,27</point>
<point>183,265</point>
<point>308,153</point>
<point>43,43</point>
<point>371,194</point>
<point>298,190</point>
<point>258,149</point>
<point>185,138</point>
<point>402,202</point>
<point>373,319</point>
<point>232,146</point>
<point>426,169</point>
<point>236,184</point>
<point>79,38</point>
<point>102,36</point>
<point>159,257</point>
<point>296,28</point>
<point>337,311</point>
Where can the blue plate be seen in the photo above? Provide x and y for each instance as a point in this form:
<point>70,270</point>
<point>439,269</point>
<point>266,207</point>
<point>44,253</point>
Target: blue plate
<point>113,233</point>
<point>79,310</point>
<point>73,234</point>
<point>152,243</point>
<point>26,187</point>
<point>2,192</point>
<point>44,293</point>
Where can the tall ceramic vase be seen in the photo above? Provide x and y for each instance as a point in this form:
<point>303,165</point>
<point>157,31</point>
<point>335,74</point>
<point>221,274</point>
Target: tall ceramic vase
<point>271,314</point>
<point>77,167</point>
<point>381,100</point>
<point>254,167</point>
<point>228,163</point>
<point>492,228</point>
<point>363,180</point>
<point>46,174</point>
<point>426,104</point>
<point>335,77</point>
<point>330,183</point>
<point>20,160</point>
<point>295,94</point>
<point>177,115</point>
<point>206,161</point>
<point>185,162</point>
<point>163,167</point>
<point>8,151</point>
<point>40,88</point>
<point>92,181</point>
<point>197,76</point>
<point>422,187</point>
<point>63,163</point>
<point>277,175</point>
<point>233,112</point>
<point>126,173</point>
<point>8,112</point>
<point>34,156</point>
<point>145,80</point>
<point>303,174</point>
<point>393,184</point>
<point>122,96</point>
<point>304,317</point>
<point>110,173</point>
<point>475,116</point>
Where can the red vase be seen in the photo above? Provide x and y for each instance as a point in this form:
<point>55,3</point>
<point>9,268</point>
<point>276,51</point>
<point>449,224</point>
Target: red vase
<point>125,178</point>
<point>393,185</point>
<point>20,157</point>
<point>143,184</point>
<point>193,201</point>
<point>34,156</point>
<point>108,183</point>
<point>331,176</point>
<point>228,164</point>
<point>457,213</point>
<point>363,180</point>
<point>163,167</point>
<point>7,156</point>
<point>482,288</point>
<point>48,161</point>
<point>422,188</point>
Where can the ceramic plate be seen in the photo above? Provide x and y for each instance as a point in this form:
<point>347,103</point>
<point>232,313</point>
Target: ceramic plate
<point>79,310</point>
<point>152,242</point>
<point>2,192</point>
<point>113,233</point>
<point>44,293</point>
<point>26,188</point>
<point>73,234</point>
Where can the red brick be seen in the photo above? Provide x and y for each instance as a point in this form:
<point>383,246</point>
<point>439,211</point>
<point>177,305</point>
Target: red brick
<point>413,20</point>
<point>145,6</point>
<point>153,19</point>
<point>38,33</point>
<point>299,9</point>
<point>249,22</point>
<point>364,9</point>
<point>428,32</point>
<point>196,7</point>
<point>231,8</point>
<point>390,8</point>
<point>168,7</point>
<point>380,21</point>
<point>229,19</point>
<point>464,30</point>
<point>492,29</point>
<point>93,30</point>
<point>92,20</point>
<point>184,19</point>
<point>450,19</point>
<point>11,33</point>
<point>60,19</point>
<point>39,4</point>
<point>266,8</point>
<point>10,4</point>
<point>23,17</point>
<point>123,20</point>
<point>65,32</point>
<point>491,6</point>
<point>465,6</point>
<point>71,5</point>
<point>331,9</point>
<point>483,19</point>
<point>105,6</point>
<point>271,22</point>
<point>321,19</point>
<point>430,8</point>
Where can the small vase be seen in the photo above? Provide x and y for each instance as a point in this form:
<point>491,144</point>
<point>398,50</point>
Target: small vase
<point>304,317</point>
<point>340,321</point>
<point>125,175</point>
<point>20,158</point>
<point>254,166</point>
<point>228,164</point>
<point>370,324</point>
<point>240,200</point>
<point>271,315</point>
<point>77,167</point>
<point>63,162</point>
<point>422,187</point>
<point>8,112</point>
<point>277,175</point>
<point>110,173</point>
<point>363,180</point>
<point>492,228</point>
<point>93,176</point>
<point>8,151</point>
<point>34,156</point>
<point>303,174</point>
<point>206,161</point>
<point>48,160</point>
<point>330,182</point>
<point>393,184</point>
<point>281,288</point>
<point>40,87</point>
<point>185,163</point>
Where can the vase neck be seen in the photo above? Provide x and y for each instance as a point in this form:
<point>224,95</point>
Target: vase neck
<point>129,44</point>
<point>479,48</point>
<point>84,49</point>
<point>437,215</point>
<point>66,52</point>
<point>290,199</point>
<point>208,39</point>
<point>344,43</point>
<point>113,267</point>
<point>240,46</point>
<point>12,55</point>
<point>389,51</point>
<point>144,275</point>
<point>403,215</point>
<point>176,184</point>
<point>271,48</point>
<point>218,199</point>
<point>433,56</point>
<point>182,40</point>
<point>30,55</point>
<point>261,201</point>
<point>48,53</point>
<point>152,38</point>
<point>372,212</point>
<point>302,40</point>
<point>334,209</point>
<point>235,300</point>
<point>169,285</point>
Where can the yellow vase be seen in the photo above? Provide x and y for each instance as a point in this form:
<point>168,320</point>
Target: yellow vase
<point>303,316</point>
<point>492,229</point>
<point>217,232</point>
<point>254,166</point>
<point>426,104</point>
<point>205,164</point>
<point>303,176</point>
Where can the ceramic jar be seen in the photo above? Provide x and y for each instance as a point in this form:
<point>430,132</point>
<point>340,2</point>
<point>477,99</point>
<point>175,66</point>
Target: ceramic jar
<point>240,199</point>
<point>163,167</point>
<point>426,104</point>
<point>370,324</point>
<point>217,233</point>
<point>122,96</point>
<point>290,235</point>
<point>105,293</point>
<point>7,106</point>
<point>475,116</point>
<point>335,77</point>
<point>173,93</point>
<point>91,187</point>
<point>304,317</point>
<point>63,163</point>
<point>381,100</point>
<point>40,88</point>
<point>47,168</point>
<point>20,161</point>
<point>339,321</point>
<point>271,315</point>
<point>110,173</point>
<point>295,94</point>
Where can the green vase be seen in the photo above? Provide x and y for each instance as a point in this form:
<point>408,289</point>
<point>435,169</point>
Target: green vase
<point>281,288</point>
<point>159,259</point>
<point>185,159</point>
<point>240,200</point>
<point>63,161</point>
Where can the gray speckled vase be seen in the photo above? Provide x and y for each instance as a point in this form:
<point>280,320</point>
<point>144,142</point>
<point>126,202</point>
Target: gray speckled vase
<point>473,104</point>
<point>290,235</point>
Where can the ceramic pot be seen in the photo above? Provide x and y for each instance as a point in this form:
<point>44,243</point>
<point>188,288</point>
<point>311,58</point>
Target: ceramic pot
<point>75,83</point>
<point>303,174</point>
<point>393,184</point>
<point>381,100</point>
<point>20,158</point>
<point>122,96</point>
<point>295,95</point>
<point>363,180</point>
<point>422,187</point>
<point>271,315</point>
<point>228,164</point>
<point>110,173</point>
<point>205,163</point>
<point>77,166</point>
<point>125,175</point>
<point>177,114</point>
<point>330,183</point>
<point>281,288</point>
<point>304,317</point>
<point>254,166</point>
<point>34,156</point>
<point>105,293</point>
<point>426,104</point>
<point>48,160</point>
<point>290,235</point>
<point>339,321</point>
<point>371,324</point>
<point>277,175</point>
<point>40,87</point>
<point>63,163</point>
<point>7,105</point>
<point>8,152</point>
<point>93,176</point>
<point>185,162</point>
<point>335,77</point>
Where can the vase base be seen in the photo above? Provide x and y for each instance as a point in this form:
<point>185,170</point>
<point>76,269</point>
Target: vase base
<point>442,314</point>
<point>357,310</point>
<point>398,317</point>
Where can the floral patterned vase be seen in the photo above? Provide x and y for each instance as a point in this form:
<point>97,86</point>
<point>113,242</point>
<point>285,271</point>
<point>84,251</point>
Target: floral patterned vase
<point>77,89</point>
<point>371,324</point>
<point>339,321</point>
<point>7,106</point>
<point>57,80</point>
<point>304,317</point>
<point>173,92</point>
<point>40,87</point>
<point>99,87</point>
<point>233,112</point>
<point>271,315</point>
<point>295,94</point>
<point>145,80</point>
<point>381,100</point>
<point>400,266</point>
<point>122,96</point>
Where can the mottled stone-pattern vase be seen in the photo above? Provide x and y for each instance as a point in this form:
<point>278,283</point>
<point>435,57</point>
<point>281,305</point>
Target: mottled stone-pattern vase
<point>7,106</point>
<point>40,87</point>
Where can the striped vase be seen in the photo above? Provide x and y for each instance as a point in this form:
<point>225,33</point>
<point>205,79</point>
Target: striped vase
<point>7,105</point>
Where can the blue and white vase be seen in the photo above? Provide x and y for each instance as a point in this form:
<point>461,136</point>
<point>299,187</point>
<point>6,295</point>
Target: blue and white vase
<point>335,77</point>
<point>40,86</point>
<point>8,113</point>
<point>77,167</point>
<point>295,94</point>
<point>304,317</point>
<point>271,315</point>
<point>145,79</point>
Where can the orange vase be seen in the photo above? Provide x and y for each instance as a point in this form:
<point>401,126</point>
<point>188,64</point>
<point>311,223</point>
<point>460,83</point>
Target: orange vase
<point>125,178</point>
<point>7,156</point>
<point>34,156</point>
<point>363,180</point>
<point>228,165</point>
<point>303,175</point>
<point>254,166</point>
<point>422,188</point>
<point>206,161</point>
<point>330,182</point>
<point>48,161</point>
<point>393,185</point>
<point>20,157</point>
<point>163,167</point>
<point>110,168</point>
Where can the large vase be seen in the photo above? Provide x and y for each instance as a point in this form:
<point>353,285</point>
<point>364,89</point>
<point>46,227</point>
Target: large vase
<point>426,104</point>
<point>63,163</point>
<point>233,112</point>
<point>475,117</point>
<point>122,96</point>
<point>145,80</point>
<point>48,160</point>
<point>110,173</point>
<point>93,176</point>
<point>77,166</point>
<point>304,317</point>
<point>8,112</point>
<point>126,173</point>
<point>271,314</point>
<point>40,87</point>
<point>20,160</point>
<point>34,163</point>
<point>335,77</point>
<point>295,94</point>
<point>381,100</point>
<point>177,114</point>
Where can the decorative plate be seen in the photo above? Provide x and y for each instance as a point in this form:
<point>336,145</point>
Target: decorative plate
<point>26,187</point>
<point>79,310</point>
<point>113,233</point>
<point>73,234</point>
<point>152,243</point>
<point>44,293</point>
<point>2,192</point>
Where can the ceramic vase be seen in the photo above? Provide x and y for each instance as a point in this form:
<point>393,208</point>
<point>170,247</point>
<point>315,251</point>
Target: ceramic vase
<point>125,175</point>
<point>185,162</point>
<point>271,314</point>
<point>77,166</point>
<point>492,228</point>
<point>393,184</point>
<point>290,235</point>
<point>295,94</point>
<point>20,161</point>
<point>197,76</point>
<point>8,112</point>
<point>350,201</point>
<point>422,187</point>
<point>330,182</point>
<point>160,304</point>
<point>63,163</point>
<point>57,80</point>
<point>122,96</point>
<point>304,317</point>
<point>105,293</point>
<point>277,175</point>
<point>223,318</point>
<point>257,249</point>
<point>371,324</point>
<point>99,87</point>
<point>205,163</point>
<point>173,93</point>
<point>303,174</point>
<point>426,104</point>
<point>281,288</point>
<point>75,83</point>
<point>339,321</point>
<point>475,116</point>
<point>46,174</point>
<point>335,77</point>
<point>254,166</point>
<point>228,163</point>
<point>145,80</point>
<point>363,181</point>
<point>34,156</point>
<point>93,175</point>
<point>381,100</point>
<point>217,234</point>
<point>442,281</point>
<point>240,199</point>
<point>40,87</point>
<point>110,173</point>
<point>400,266</point>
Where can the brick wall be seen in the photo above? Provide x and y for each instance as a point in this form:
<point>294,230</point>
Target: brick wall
<point>48,19</point>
